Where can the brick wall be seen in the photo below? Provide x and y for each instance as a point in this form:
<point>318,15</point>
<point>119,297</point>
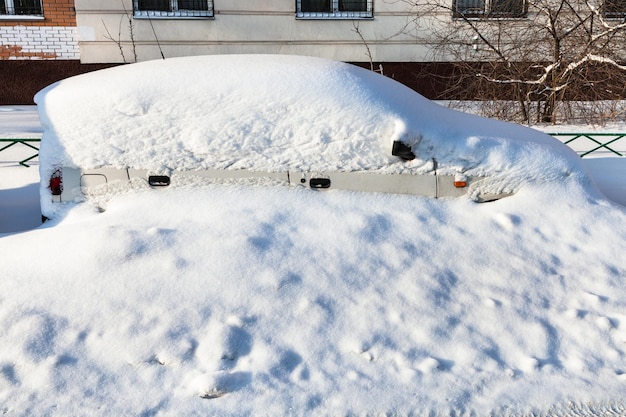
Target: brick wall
<point>54,36</point>
<point>44,42</point>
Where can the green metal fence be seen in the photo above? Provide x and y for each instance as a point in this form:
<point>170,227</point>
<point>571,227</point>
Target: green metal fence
<point>600,141</point>
<point>26,142</point>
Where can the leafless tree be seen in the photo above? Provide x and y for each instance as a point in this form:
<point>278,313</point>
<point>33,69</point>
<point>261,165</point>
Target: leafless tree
<point>545,56</point>
<point>368,51</point>
<point>118,39</point>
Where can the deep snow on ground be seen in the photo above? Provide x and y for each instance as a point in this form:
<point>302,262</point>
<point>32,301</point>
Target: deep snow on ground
<point>253,300</point>
<point>235,300</point>
<point>19,199</point>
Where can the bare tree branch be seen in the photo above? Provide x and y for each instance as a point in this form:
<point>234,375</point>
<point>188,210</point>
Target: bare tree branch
<point>559,52</point>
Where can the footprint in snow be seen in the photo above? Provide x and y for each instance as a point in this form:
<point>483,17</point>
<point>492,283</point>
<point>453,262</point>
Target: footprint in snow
<point>530,365</point>
<point>429,365</point>
<point>507,221</point>
<point>223,346</point>
<point>214,385</point>
<point>289,361</point>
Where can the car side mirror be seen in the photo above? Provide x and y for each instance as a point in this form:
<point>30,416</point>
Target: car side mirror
<point>402,150</point>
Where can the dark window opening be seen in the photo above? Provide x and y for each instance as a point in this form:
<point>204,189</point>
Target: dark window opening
<point>315,6</point>
<point>156,5</point>
<point>193,5</point>
<point>513,8</point>
<point>489,9</point>
<point>469,8</point>
<point>352,5</point>
<point>334,9</point>
<point>615,9</point>
<point>21,7</point>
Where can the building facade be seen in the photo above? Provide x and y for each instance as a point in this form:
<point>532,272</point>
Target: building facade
<point>346,30</point>
<point>404,36</point>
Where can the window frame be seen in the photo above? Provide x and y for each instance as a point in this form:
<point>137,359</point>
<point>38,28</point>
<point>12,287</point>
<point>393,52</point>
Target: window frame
<point>335,14</point>
<point>174,12</point>
<point>11,11</point>
<point>487,11</point>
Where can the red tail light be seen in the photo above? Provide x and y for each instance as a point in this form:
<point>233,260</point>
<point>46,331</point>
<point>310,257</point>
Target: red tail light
<point>56,182</point>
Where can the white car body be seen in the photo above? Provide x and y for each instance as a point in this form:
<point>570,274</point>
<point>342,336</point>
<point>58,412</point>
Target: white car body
<point>81,184</point>
<point>296,121</point>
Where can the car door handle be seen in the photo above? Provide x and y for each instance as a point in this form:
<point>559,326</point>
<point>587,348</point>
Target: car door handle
<point>319,182</point>
<point>158,180</point>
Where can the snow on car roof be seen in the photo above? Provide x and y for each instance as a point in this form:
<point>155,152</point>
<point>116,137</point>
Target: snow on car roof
<point>276,112</point>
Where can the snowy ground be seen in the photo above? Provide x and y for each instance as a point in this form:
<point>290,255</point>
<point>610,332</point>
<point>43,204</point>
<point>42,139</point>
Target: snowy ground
<point>274,301</point>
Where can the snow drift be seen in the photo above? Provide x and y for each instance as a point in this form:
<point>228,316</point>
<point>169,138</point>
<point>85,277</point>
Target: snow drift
<point>254,300</point>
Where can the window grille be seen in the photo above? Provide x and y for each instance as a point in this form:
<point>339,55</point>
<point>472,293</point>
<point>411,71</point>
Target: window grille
<point>490,8</point>
<point>173,8</point>
<point>615,9</point>
<point>21,7</point>
<point>335,9</point>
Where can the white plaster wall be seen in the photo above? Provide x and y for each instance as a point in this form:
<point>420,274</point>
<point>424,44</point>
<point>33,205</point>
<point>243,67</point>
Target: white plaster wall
<point>244,26</point>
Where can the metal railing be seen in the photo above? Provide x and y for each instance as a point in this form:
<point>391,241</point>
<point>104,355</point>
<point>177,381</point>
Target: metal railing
<point>173,8</point>
<point>26,142</point>
<point>599,141</point>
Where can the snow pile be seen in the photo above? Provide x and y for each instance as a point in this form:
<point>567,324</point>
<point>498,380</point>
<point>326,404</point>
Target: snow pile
<point>231,300</point>
<point>276,113</point>
<point>254,300</point>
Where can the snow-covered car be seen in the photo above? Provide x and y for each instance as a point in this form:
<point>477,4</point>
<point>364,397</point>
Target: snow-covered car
<point>292,120</point>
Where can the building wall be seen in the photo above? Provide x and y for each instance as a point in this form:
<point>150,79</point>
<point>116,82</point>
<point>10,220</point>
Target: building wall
<point>53,36</point>
<point>244,26</point>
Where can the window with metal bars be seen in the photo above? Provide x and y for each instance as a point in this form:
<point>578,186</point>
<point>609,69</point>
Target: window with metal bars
<point>21,8</point>
<point>335,9</point>
<point>615,9</point>
<point>173,8</point>
<point>489,9</point>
